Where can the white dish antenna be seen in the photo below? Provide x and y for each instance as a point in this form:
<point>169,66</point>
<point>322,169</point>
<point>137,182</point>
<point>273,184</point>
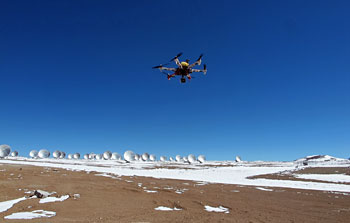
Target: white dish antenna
<point>99,156</point>
<point>184,159</point>
<point>129,156</point>
<point>44,153</point>
<point>145,157</point>
<point>201,158</point>
<point>137,157</point>
<point>14,154</point>
<point>86,156</point>
<point>152,157</point>
<point>191,158</point>
<point>178,158</point>
<point>171,158</point>
<point>238,159</point>
<point>4,150</point>
<point>63,155</point>
<point>56,154</point>
<point>163,158</point>
<point>92,156</point>
<point>116,156</point>
<point>33,154</point>
<point>76,156</point>
<point>70,156</point>
<point>107,155</point>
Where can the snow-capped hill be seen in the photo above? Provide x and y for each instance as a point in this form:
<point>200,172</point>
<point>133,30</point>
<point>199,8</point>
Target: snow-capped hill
<point>318,159</point>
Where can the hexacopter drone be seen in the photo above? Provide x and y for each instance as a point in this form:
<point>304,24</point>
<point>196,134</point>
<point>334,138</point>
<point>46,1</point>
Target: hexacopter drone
<point>184,69</point>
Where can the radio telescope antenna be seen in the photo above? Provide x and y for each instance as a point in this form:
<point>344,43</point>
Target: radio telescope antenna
<point>44,153</point>
<point>116,156</point>
<point>129,156</point>
<point>63,155</point>
<point>191,158</point>
<point>4,150</point>
<point>201,158</point>
<point>56,154</point>
<point>107,155</point>
<point>152,157</point>
<point>145,157</point>
<point>33,154</point>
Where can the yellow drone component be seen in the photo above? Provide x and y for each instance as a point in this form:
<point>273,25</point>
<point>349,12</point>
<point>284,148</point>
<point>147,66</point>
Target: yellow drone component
<point>184,64</point>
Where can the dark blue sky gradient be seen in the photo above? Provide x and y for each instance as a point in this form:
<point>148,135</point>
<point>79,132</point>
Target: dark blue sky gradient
<point>76,76</point>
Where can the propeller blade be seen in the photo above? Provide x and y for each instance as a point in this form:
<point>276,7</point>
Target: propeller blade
<point>200,57</point>
<point>177,56</point>
<point>157,66</point>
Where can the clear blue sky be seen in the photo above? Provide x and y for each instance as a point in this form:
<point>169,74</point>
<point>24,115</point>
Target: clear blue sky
<point>76,76</point>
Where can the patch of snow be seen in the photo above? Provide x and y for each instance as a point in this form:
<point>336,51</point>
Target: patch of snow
<point>53,199</point>
<point>162,208</point>
<point>31,215</point>
<point>201,183</point>
<point>218,209</point>
<point>5,205</point>
<point>339,178</point>
<point>235,191</point>
<point>151,191</point>
<point>264,189</point>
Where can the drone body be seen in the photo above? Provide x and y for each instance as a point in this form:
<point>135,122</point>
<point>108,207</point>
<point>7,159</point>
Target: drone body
<point>184,69</point>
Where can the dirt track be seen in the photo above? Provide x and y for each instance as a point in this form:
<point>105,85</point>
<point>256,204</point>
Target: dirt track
<point>123,199</point>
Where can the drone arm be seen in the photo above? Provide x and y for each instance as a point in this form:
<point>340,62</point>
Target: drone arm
<point>178,62</point>
<point>167,68</point>
<point>198,70</point>
<point>198,61</point>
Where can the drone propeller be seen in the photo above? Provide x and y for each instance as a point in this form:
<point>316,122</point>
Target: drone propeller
<point>205,69</point>
<point>177,56</point>
<point>160,66</point>
<point>200,57</point>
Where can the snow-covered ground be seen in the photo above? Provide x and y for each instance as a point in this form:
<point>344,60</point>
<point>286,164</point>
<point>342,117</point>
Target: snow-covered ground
<point>226,172</point>
<point>31,215</point>
<point>338,178</point>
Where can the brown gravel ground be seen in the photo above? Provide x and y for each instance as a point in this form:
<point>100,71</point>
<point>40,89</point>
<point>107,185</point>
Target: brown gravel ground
<point>121,199</point>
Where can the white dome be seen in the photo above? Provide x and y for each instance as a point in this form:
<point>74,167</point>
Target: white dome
<point>129,156</point>
<point>145,157</point>
<point>44,153</point>
<point>56,154</point>
<point>116,156</point>
<point>4,150</point>
<point>152,157</point>
<point>201,158</point>
<point>107,155</point>
<point>191,158</point>
<point>14,154</point>
<point>92,156</point>
<point>178,158</point>
<point>63,155</point>
<point>33,154</point>
<point>76,156</point>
